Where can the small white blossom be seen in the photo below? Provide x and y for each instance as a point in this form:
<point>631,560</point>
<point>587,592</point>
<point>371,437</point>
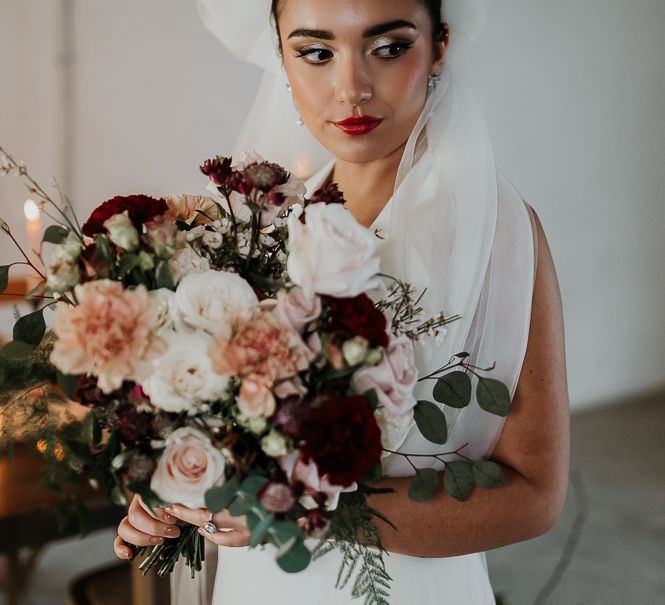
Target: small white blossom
<point>274,444</point>
<point>212,239</point>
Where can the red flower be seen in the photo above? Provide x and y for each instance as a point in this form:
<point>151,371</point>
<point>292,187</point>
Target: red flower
<point>360,317</point>
<point>141,209</point>
<point>265,175</point>
<point>330,195</point>
<point>342,438</point>
<point>218,170</point>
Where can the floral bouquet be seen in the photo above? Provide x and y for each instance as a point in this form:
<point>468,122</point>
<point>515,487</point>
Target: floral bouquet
<point>241,352</point>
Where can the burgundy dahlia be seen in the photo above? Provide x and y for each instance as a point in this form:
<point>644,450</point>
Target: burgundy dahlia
<point>140,208</point>
<point>359,317</point>
<point>218,170</point>
<point>342,437</point>
<point>330,195</point>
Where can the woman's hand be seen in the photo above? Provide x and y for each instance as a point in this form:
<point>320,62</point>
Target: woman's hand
<point>142,527</point>
<point>233,531</point>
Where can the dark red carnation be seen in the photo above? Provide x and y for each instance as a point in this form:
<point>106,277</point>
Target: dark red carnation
<point>132,425</point>
<point>330,195</point>
<point>342,438</point>
<point>140,208</point>
<point>87,392</point>
<point>359,317</point>
<point>218,170</point>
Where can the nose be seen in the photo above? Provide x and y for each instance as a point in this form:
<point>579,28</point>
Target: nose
<point>352,86</point>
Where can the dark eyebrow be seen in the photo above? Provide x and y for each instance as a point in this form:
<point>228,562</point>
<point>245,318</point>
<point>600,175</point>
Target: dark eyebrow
<point>375,30</point>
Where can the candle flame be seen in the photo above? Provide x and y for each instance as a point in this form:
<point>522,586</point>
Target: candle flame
<point>31,210</point>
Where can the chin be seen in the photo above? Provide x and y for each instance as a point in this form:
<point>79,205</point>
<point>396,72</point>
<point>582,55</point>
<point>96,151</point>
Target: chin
<point>357,150</point>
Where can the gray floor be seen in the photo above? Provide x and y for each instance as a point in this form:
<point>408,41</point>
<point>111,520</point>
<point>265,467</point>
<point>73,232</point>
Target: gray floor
<point>619,558</point>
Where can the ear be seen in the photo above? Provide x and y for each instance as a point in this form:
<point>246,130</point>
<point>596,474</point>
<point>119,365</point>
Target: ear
<point>440,50</point>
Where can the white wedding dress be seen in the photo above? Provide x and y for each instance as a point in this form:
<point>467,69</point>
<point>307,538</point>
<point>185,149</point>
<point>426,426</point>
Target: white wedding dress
<point>246,576</point>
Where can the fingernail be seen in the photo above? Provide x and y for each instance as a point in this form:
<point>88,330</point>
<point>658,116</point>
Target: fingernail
<point>200,530</point>
<point>172,531</point>
<point>169,518</point>
<point>157,540</point>
<point>170,508</point>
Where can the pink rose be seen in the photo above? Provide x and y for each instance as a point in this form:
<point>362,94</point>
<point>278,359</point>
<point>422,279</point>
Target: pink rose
<point>111,334</point>
<point>189,466</point>
<point>393,379</point>
<point>308,474</point>
<point>255,397</point>
<point>296,308</point>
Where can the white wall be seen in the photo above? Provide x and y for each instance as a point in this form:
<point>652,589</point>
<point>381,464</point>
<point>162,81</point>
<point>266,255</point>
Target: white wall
<point>575,98</point>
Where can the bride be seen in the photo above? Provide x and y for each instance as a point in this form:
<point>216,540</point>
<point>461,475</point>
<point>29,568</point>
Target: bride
<point>374,82</point>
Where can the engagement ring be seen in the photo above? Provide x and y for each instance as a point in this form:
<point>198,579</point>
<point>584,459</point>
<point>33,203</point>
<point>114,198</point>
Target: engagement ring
<point>209,527</point>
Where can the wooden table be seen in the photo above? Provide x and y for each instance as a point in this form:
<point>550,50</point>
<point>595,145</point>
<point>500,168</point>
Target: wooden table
<point>28,520</point>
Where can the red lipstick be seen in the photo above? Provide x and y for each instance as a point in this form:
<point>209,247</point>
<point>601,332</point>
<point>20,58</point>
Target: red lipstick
<point>358,126</point>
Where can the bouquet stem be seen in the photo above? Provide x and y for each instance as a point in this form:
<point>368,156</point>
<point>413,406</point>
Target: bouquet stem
<point>164,557</point>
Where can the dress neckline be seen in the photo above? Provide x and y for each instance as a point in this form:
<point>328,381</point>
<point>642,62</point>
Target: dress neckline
<point>319,178</point>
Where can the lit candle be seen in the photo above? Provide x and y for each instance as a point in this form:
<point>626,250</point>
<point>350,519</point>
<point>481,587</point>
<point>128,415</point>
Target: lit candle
<point>33,229</point>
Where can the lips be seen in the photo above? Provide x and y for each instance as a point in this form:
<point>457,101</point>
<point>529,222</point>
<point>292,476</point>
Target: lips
<point>358,126</point>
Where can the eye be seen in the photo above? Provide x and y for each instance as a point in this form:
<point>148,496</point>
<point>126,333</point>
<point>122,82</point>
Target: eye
<point>315,55</point>
<point>392,50</point>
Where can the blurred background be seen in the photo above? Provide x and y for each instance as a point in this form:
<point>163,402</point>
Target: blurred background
<point>130,96</point>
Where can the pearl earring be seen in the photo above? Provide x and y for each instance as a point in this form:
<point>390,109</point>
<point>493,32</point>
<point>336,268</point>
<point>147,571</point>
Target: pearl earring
<point>432,81</point>
<point>299,121</point>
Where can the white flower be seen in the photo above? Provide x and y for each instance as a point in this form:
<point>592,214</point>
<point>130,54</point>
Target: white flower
<point>212,240</point>
<point>163,298</point>
<point>274,444</point>
<point>62,277</point>
<point>189,466</point>
<point>122,232</point>
<point>204,301</point>
<point>355,350</point>
<point>71,247</point>
<point>393,378</point>
<point>332,253</point>
<point>185,262</point>
<point>183,376</point>
<point>394,428</point>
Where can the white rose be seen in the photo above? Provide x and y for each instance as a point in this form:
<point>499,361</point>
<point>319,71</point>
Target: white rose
<point>204,301</point>
<point>394,428</point>
<point>71,246</point>
<point>163,298</point>
<point>186,262</point>
<point>183,376</point>
<point>332,253</point>
<point>393,378</point>
<point>122,232</point>
<point>62,277</point>
<point>189,466</point>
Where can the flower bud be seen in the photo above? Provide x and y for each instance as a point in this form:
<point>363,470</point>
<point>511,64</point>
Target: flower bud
<point>274,444</point>
<point>122,232</point>
<point>355,350</point>
<point>62,277</point>
<point>146,261</point>
<point>373,357</point>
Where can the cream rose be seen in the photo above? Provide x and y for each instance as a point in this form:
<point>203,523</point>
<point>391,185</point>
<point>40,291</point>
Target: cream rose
<point>255,397</point>
<point>394,377</point>
<point>189,466</point>
<point>332,253</point>
<point>187,261</point>
<point>204,301</point>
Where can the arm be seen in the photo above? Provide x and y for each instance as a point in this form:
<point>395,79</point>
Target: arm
<point>533,451</point>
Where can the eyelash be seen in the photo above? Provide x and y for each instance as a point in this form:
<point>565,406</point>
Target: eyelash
<point>402,47</point>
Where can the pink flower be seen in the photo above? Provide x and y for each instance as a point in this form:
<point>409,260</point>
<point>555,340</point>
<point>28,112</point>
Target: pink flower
<point>277,498</point>
<point>308,474</point>
<point>111,334</point>
<point>296,309</point>
<point>189,466</point>
<point>255,397</point>
<point>188,208</point>
<point>259,344</point>
<point>393,379</point>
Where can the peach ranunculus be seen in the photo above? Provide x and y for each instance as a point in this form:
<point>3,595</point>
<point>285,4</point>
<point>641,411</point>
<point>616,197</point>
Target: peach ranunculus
<point>259,343</point>
<point>188,208</point>
<point>111,334</point>
<point>256,397</point>
<point>189,466</point>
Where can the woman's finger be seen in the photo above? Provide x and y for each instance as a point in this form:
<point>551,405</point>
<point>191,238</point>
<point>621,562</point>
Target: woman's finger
<point>122,551</point>
<point>200,516</point>
<point>158,512</point>
<point>146,523</point>
<point>129,533</point>
<point>233,538</point>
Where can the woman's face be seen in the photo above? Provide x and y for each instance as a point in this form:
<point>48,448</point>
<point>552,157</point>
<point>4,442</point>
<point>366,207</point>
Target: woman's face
<point>365,59</point>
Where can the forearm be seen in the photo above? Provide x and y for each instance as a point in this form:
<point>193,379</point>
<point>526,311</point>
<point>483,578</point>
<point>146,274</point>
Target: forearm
<point>445,527</point>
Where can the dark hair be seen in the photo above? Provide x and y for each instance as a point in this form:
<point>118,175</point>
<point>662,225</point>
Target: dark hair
<point>433,8</point>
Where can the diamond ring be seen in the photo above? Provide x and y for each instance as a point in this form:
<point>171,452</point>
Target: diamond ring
<point>209,527</point>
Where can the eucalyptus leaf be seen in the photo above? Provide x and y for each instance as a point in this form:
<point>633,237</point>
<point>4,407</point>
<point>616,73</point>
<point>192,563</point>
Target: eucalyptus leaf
<point>453,389</point>
<point>431,422</point>
<point>488,474</point>
<point>283,531</point>
<point>296,559</point>
<point>458,479</point>
<point>219,498</point>
<point>260,530</point>
<point>30,328</point>
<point>493,396</point>
<point>4,278</point>
<point>55,234</point>
<point>253,484</point>
<point>241,505</point>
<point>424,484</point>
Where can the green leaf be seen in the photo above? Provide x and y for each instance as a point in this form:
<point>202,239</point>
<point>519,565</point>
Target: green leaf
<point>453,390</point>
<point>55,234</point>
<point>102,249</point>
<point>164,278</point>
<point>4,277</point>
<point>431,422</point>
<point>128,262</point>
<point>68,384</point>
<point>424,484</point>
<point>260,530</point>
<point>253,484</point>
<point>241,505</point>
<point>372,399</point>
<point>493,396</point>
<point>93,429</point>
<point>282,532</point>
<point>488,474</point>
<point>17,350</point>
<point>219,498</point>
<point>458,479</point>
<point>295,559</point>
<point>30,328</point>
